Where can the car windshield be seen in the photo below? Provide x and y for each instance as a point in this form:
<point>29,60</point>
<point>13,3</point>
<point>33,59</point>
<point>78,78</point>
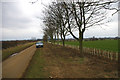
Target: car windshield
<point>39,43</point>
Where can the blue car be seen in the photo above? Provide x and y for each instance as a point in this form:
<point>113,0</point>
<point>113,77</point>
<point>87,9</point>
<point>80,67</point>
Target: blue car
<point>39,44</point>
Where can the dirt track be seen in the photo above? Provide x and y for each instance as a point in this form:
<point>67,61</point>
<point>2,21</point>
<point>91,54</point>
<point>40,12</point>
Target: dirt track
<point>15,66</point>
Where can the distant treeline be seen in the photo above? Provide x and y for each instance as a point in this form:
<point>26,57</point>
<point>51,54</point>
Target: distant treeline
<point>7,44</point>
<point>91,39</point>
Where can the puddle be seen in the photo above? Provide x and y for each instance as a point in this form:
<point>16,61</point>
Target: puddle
<point>14,54</point>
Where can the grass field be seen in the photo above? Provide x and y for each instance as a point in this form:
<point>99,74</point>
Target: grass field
<point>108,45</point>
<point>9,51</point>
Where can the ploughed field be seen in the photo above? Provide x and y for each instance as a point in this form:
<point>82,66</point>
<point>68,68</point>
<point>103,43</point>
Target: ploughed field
<point>108,45</point>
<point>8,44</point>
<point>9,49</point>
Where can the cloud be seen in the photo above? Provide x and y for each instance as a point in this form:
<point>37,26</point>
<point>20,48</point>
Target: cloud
<point>109,30</point>
<point>19,22</point>
<point>13,18</point>
<point>18,25</point>
<point>19,34</point>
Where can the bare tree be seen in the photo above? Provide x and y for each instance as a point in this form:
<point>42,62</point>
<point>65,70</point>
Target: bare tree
<point>62,22</point>
<point>56,18</point>
<point>50,27</point>
<point>85,14</point>
<point>45,37</point>
<point>66,17</point>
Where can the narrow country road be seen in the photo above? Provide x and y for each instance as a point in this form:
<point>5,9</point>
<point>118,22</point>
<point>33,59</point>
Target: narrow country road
<point>15,66</point>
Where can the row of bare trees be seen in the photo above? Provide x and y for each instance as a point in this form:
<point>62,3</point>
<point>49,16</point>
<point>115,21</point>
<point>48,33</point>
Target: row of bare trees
<point>62,18</point>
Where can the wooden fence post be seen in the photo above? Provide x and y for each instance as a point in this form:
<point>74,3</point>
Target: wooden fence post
<point>96,52</point>
<point>104,54</point>
<point>113,56</point>
<point>101,53</point>
<point>109,56</point>
<point>117,56</point>
<point>92,51</point>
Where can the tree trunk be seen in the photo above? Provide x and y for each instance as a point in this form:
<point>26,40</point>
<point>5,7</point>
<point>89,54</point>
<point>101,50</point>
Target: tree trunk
<point>81,44</point>
<point>63,42</point>
<point>51,39</point>
<point>55,39</point>
<point>57,36</point>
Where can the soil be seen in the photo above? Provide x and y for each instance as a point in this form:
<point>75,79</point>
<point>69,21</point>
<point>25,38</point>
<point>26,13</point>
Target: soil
<point>63,62</point>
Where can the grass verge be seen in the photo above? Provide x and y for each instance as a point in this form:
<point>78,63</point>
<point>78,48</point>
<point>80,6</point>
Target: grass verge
<point>50,61</point>
<point>9,51</point>
<point>36,67</point>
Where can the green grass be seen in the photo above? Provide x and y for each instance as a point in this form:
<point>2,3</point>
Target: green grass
<point>36,67</point>
<point>9,51</point>
<point>108,45</point>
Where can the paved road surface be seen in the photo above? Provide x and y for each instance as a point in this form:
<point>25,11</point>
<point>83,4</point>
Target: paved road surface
<point>15,66</point>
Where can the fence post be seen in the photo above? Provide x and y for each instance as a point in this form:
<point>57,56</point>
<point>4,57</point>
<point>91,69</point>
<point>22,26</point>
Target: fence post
<point>114,56</point>
<point>88,51</point>
<point>96,52</point>
<point>117,56</point>
<point>92,51</point>
<point>104,54</point>
<point>99,53</point>
<point>109,55</point>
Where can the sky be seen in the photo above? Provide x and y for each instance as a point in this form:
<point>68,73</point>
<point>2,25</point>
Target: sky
<point>20,21</point>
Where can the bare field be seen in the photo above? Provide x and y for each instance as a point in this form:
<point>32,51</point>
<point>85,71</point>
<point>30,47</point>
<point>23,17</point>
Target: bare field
<point>60,62</point>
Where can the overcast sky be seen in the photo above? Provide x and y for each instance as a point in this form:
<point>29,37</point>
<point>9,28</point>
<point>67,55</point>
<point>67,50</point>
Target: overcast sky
<point>19,21</point>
